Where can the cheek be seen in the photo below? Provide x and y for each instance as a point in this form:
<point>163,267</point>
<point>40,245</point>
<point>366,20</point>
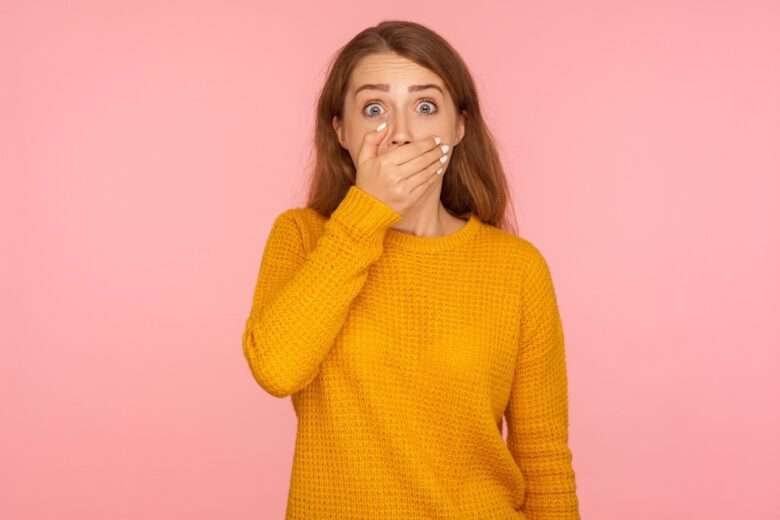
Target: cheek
<point>442,125</point>
<point>355,142</point>
<point>351,139</point>
<point>445,131</point>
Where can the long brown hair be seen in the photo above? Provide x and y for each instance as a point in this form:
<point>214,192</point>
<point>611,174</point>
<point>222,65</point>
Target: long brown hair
<point>474,182</point>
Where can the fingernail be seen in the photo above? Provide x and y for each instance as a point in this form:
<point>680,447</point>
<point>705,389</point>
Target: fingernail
<point>443,158</point>
<point>382,126</point>
<point>445,147</point>
<point>438,172</point>
<point>437,139</point>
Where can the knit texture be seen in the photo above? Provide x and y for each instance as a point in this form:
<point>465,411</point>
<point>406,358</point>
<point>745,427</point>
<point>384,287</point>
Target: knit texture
<point>404,357</point>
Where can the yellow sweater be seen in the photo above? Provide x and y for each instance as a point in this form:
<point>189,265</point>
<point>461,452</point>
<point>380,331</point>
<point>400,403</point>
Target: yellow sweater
<point>402,355</point>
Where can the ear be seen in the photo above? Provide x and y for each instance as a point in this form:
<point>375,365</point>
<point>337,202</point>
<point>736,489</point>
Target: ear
<point>461,126</point>
<point>339,129</point>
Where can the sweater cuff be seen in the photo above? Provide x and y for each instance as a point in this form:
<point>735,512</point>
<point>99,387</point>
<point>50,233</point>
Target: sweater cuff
<point>364,215</point>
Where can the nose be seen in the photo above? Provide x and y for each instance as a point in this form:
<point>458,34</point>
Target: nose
<point>399,130</point>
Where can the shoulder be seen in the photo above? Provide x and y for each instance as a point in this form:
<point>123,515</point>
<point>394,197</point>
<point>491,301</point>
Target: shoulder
<point>513,258</point>
<point>535,270</point>
<point>519,251</point>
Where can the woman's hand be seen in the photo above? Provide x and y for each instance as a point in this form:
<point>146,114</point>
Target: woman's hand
<point>399,177</point>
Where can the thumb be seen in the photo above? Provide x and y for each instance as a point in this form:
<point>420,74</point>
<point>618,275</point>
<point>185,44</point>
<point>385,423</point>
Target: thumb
<point>370,146</point>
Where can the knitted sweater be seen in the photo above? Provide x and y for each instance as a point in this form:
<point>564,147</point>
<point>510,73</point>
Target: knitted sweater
<point>403,356</point>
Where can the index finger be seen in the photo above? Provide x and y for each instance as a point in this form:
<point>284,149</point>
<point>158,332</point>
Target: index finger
<point>411,151</point>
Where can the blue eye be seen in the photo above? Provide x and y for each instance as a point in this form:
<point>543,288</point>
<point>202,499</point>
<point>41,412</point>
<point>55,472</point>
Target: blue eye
<point>431,102</point>
<point>429,112</point>
<point>374,113</point>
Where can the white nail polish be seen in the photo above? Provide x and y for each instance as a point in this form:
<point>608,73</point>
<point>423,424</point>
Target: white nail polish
<point>438,172</point>
<point>443,159</point>
<point>445,147</point>
<point>380,127</point>
<point>437,139</point>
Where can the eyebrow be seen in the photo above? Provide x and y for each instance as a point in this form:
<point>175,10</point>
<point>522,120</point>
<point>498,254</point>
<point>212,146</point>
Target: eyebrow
<point>385,87</point>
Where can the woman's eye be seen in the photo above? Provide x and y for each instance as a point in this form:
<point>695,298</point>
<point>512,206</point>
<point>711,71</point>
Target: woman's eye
<point>371,114</point>
<point>430,110</point>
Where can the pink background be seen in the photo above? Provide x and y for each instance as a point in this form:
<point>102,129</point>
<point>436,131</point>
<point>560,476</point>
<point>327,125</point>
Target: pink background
<point>145,151</point>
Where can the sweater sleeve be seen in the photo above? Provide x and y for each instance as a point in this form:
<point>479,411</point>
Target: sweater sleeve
<point>537,412</point>
<point>301,300</point>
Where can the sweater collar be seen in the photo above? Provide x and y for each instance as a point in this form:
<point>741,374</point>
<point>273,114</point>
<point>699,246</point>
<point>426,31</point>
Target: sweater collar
<point>409,241</point>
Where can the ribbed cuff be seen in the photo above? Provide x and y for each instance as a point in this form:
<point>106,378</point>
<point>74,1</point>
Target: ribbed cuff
<point>364,215</point>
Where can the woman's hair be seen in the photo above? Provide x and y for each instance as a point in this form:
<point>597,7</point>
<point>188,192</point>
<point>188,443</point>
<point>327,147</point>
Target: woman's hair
<point>474,181</point>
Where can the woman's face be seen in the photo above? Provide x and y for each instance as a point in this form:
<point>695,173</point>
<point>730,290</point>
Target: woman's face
<point>387,87</point>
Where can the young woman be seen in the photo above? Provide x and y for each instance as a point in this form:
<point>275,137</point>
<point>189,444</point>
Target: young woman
<point>401,317</point>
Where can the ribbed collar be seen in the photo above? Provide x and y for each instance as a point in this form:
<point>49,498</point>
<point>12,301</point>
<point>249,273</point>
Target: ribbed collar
<point>404,240</point>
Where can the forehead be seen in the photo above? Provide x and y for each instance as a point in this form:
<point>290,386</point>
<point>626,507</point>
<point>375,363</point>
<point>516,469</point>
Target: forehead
<point>395,70</point>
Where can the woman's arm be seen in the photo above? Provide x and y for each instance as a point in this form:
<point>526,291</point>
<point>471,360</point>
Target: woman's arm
<point>537,413</point>
<point>302,300</point>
